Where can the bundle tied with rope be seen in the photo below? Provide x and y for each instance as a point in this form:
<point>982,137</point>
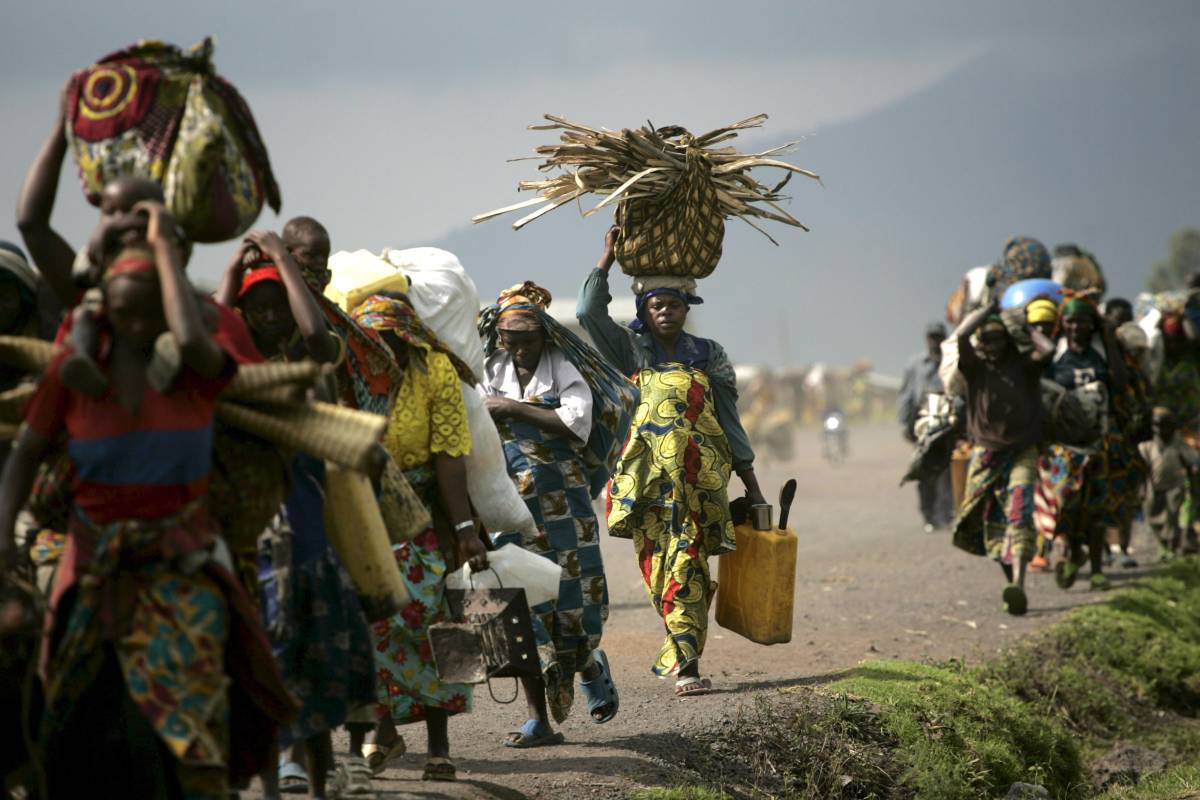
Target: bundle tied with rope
<point>673,191</point>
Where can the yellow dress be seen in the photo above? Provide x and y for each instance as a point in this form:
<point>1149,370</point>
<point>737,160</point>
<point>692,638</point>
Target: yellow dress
<point>430,417</point>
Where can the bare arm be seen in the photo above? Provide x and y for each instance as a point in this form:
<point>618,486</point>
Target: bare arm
<point>199,350</point>
<point>50,252</point>
<point>231,281</point>
<point>545,418</point>
<point>452,488</point>
<point>322,346</point>
<point>15,485</point>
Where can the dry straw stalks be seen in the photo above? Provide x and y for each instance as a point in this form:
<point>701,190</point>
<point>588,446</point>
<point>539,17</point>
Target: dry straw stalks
<point>645,163</point>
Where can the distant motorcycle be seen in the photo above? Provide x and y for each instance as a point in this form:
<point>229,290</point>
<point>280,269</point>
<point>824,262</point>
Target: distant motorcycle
<point>835,438</point>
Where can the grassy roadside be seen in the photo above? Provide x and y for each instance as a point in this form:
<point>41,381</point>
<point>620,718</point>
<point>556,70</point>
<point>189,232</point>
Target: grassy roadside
<point>1086,708</point>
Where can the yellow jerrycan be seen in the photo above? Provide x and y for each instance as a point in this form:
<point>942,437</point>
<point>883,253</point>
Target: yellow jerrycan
<point>360,539</point>
<point>756,584</point>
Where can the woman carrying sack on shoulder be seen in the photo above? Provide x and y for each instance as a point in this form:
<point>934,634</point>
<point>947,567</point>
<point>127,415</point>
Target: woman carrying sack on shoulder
<point>428,437</point>
<point>544,411</point>
<point>670,492</point>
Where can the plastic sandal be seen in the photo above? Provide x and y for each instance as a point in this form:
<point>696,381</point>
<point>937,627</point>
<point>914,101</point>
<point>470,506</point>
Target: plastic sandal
<point>602,691</point>
<point>690,687</point>
<point>439,769</point>
<point>533,735</point>
<point>380,758</point>
<point>356,777</point>
<point>292,778</point>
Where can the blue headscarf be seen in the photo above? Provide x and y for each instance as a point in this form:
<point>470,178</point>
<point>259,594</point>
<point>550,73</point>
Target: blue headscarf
<point>641,300</point>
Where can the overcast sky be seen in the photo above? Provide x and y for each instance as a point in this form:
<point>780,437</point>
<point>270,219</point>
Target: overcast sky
<point>392,122</point>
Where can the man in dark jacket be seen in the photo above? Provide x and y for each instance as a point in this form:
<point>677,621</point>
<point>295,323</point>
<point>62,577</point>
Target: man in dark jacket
<point>920,380</point>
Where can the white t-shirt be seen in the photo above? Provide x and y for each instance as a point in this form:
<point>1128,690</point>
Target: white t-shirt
<point>554,376</point>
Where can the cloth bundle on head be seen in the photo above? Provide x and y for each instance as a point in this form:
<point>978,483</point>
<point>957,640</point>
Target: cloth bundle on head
<point>1023,258</point>
<point>156,111</point>
<point>614,397</point>
<point>516,304</point>
<point>1076,268</point>
<point>379,313</point>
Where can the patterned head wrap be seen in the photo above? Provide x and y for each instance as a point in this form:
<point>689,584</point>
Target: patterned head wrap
<point>134,261</point>
<point>1026,258</point>
<point>1080,302</point>
<point>516,305</point>
<point>380,313</point>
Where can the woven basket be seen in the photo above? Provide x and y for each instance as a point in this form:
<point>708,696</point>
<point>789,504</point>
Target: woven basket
<point>678,233</point>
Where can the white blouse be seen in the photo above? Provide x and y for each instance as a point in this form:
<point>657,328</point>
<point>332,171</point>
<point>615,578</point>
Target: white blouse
<point>555,376</point>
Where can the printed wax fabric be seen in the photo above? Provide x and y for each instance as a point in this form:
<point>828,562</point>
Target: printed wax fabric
<point>191,652</point>
<point>551,476</point>
<point>670,496</point>
<point>996,515</point>
<point>407,678</point>
<point>1023,258</point>
<point>614,397</point>
<point>317,628</point>
<point>153,110</point>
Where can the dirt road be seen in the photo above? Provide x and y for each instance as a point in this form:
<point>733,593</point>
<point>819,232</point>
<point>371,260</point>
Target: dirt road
<point>870,584</point>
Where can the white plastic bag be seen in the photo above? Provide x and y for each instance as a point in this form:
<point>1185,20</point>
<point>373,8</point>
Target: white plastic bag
<point>445,297</point>
<point>493,494</point>
<point>513,567</point>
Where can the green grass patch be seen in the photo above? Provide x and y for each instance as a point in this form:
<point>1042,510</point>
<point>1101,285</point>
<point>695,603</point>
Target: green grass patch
<point>960,737</point>
<point>678,793</point>
<point>1110,693</point>
<point>1180,783</point>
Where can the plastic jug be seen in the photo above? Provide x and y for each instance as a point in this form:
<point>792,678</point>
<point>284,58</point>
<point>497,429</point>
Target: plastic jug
<point>360,539</point>
<point>356,276</point>
<point>513,567</point>
<point>756,585</point>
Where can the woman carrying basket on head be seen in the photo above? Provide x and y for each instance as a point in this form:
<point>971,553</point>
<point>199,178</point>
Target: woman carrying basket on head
<point>670,492</point>
<point>562,414</point>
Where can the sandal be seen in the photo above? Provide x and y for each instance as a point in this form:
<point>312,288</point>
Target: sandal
<point>601,692</point>
<point>439,769</point>
<point>356,777</point>
<point>691,687</point>
<point>1015,602</point>
<point>532,734</point>
<point>380,758</point>
<point>292,778</point>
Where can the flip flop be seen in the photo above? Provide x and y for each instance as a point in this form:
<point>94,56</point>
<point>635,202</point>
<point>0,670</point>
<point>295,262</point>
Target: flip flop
<point>439,769</point>
<point>602,691</point>
<point>292,778</point>
<point>692,687</point>
<point>380,758</point>
<point>532,734</point>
